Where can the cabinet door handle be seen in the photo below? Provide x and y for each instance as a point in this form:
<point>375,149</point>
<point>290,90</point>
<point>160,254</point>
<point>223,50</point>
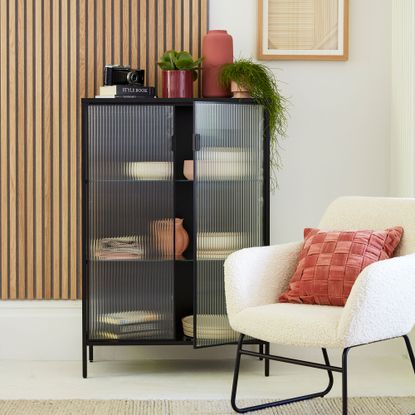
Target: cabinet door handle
<point>196,142</point>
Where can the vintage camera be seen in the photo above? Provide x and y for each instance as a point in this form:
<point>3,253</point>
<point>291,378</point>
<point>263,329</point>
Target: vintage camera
<point>123,75</point>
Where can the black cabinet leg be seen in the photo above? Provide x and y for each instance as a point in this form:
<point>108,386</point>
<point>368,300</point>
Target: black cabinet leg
<point>84,362</point>
<point>91,353</point>
<point>266,360</point>
<point>344,382</point>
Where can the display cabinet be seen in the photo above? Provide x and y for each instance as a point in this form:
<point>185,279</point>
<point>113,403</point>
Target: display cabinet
<point>170,189</point>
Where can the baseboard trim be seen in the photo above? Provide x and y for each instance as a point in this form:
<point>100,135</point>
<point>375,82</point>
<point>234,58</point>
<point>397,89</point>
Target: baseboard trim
<point>51,330</point>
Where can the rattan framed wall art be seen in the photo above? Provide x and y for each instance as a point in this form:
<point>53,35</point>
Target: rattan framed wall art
<point>303,29</point>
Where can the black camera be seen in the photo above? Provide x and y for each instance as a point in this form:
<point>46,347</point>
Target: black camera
<point>123,75</point>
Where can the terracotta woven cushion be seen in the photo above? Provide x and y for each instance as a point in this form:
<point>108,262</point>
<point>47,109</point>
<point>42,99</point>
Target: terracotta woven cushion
<point>330,262</point>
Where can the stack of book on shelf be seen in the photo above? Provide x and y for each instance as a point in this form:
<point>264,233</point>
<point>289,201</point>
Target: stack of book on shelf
<point>118,248</point>
<point>138,324</point>
<point>126,91</point>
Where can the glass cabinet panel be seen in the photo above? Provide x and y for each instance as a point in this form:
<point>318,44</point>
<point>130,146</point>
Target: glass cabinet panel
<point>228,189</point>
<point>131,216</point>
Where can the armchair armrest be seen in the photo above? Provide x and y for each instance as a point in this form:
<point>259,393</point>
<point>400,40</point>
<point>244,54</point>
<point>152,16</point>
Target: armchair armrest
<point>381,304</point>
<point>257,276</point>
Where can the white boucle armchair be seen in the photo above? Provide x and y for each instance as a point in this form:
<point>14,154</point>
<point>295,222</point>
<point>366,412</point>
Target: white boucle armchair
<point>381,304</point>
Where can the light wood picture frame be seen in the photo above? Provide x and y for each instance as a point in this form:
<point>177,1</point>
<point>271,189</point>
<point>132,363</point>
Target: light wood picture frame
<point>303,30</point>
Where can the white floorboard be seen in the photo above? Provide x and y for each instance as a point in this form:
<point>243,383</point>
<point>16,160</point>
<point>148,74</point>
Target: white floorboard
<point>193,379</point>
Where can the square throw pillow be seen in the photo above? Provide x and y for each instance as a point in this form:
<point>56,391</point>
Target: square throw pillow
<point>330,262</point>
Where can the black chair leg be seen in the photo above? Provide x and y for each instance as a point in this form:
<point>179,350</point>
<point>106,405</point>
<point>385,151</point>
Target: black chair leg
<point>91,353</point>
<point>261,350</point>
<point>410,351</point>
<point>266,360</point>
<point>329,372</point>
<point>344,381</point>
<point>277,403</point>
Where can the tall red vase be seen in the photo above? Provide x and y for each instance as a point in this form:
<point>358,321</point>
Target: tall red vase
<point>217,49</point>
<point>177,84</point>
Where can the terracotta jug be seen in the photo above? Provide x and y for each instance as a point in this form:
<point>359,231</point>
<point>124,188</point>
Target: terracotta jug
<point>177,84</point>
<point>163,237</point>
<point>217,49</point>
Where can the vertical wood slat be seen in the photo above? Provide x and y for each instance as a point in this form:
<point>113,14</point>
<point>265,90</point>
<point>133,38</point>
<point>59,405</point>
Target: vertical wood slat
<point>4,171</point>
<point>64,159</point>
<point>186,23</point>
<point>67,43</point>
<point>12,150</point>
<point>82,92</point>
<point>117,31</point>
<point>98,17</point>
<point>46,144</point>
<point>134,33</point>
<point>178,34</point>
<point>21,151</point>
<point>151,39</point>
<point>143,37</point>
<point>108,11</point>
<point>73,141</point>
<point>38,152</point>
<point>125,44</point>
<point>30,86</point>
<point>160,42</point>
<point>56,36</point>
<point>195,38</point>
<point>90,45</point>
<point>169,24</point>
<point>202,31</point>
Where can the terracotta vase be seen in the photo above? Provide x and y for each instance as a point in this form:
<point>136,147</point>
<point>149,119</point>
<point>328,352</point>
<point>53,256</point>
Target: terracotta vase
<point>239,91</point>
<point>177,84</point>
<point>188,169</point>
<point>163,237</point>
<point>217,49</point>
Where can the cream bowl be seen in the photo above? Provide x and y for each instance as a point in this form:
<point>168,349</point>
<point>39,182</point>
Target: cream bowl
<point>149,170</point>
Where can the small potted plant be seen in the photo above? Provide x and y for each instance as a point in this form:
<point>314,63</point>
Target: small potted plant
<point>179,71</point>
<point>252,80</point>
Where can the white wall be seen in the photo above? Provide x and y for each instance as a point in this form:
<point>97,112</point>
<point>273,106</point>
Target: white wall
<point>339,126</point>
<point>403,99</point>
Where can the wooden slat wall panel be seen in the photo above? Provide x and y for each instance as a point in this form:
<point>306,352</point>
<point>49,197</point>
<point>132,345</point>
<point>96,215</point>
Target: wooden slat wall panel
<point>66,43</point>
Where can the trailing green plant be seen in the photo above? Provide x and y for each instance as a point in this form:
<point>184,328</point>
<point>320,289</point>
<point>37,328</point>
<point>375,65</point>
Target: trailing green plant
<point>261,84</point>
<point>174,61</point>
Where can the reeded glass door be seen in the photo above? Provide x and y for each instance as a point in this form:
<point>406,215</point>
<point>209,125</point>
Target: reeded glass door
<point>131,211</point>
<point>228,188</point>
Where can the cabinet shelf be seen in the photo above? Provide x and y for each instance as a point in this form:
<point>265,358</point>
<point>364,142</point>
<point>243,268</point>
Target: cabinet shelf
<point>120,180</point>
<point>202,181</point>
<point>138,261</point>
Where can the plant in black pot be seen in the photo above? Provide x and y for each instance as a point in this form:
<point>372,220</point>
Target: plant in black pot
<point>252,80</point>
<point>179,71</point>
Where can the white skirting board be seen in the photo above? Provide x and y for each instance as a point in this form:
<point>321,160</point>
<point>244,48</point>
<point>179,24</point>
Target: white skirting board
<point>51,330</point>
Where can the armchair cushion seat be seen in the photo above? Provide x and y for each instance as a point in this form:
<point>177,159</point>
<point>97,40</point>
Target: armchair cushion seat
<point>291,324</point>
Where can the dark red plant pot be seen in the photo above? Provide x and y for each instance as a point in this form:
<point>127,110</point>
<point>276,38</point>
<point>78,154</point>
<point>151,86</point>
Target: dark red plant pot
<point>177,84</point>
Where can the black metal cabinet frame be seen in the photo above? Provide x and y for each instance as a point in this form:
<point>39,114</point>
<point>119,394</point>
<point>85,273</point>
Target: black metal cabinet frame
<point>190,138</point>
